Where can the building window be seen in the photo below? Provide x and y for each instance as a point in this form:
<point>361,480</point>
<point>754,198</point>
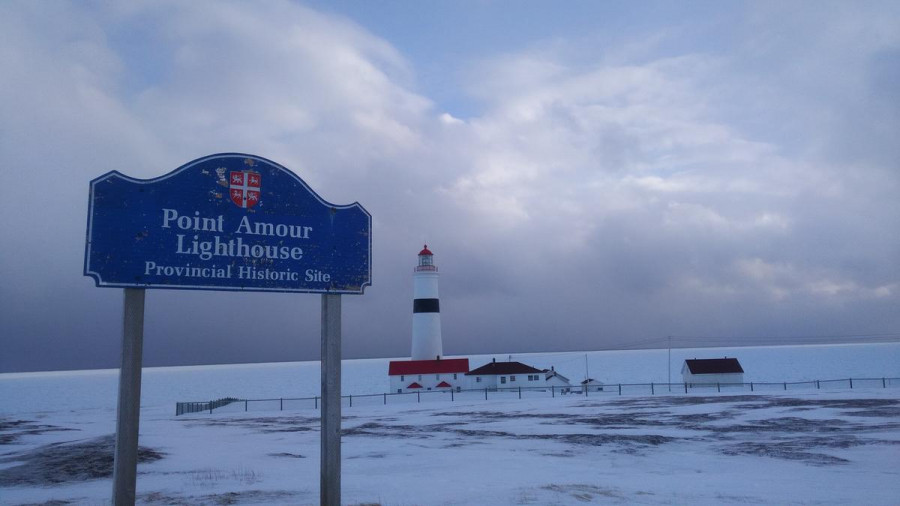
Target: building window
<point>503,379</point>
<point>402,378</point>
<point>477,379</point>
<point>512,378</point>
<point>420,377</point>
<point>454,375</point>
<point>437,376</point>
<point>399,390</point>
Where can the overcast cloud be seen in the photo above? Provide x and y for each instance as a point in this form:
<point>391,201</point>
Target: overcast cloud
<point>605,175</point>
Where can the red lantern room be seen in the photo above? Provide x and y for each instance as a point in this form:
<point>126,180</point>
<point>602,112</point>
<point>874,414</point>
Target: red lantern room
<point>426,260</point>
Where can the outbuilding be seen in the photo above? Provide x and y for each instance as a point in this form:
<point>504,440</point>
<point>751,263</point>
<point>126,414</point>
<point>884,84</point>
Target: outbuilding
<point>712,370</point>
<point>592,385</point>
<point>554,379</point>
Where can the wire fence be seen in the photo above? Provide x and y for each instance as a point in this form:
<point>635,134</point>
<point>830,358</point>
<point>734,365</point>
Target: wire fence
<point>232,404</point>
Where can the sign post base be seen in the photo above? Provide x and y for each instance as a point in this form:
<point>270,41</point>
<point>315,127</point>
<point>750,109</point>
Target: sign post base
<point>128,411</point>
<point>330,480</point>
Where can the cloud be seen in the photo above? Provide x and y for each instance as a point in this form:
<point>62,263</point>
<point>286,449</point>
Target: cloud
<point>607,191</point>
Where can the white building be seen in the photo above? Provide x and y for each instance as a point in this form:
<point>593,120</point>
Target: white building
<point>423,375</point>
<point>494,375</point>
<point>712,370</point>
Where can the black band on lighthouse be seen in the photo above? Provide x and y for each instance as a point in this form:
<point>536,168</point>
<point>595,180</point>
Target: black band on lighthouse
<point>426,306</point>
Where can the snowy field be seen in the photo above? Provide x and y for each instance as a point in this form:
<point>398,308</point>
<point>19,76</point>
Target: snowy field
<point>835,446</point>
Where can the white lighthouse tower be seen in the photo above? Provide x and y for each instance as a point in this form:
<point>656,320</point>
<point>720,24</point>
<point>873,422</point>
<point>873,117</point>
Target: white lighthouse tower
<point>426,328</point>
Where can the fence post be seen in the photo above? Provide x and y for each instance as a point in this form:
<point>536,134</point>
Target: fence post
<point>851,383</point>
<point>685,387</point>
<point>351,401</point>
<point>418,396</point>
<point>485,393</point>
<point>620,389</point>
<point>817,384</point>
<point>245,404</point>
<point>553,390</point>
<point>751,386</point>
<point>718,387</point>
<point>785,385</point>
<point>520,392</point>
<point>652,389</point>
<point>210,407</point>
<point>452,395</point>
<point>281,404</point>
<point>317,402</point>
<point>385,399</point>
<point>883,384</point>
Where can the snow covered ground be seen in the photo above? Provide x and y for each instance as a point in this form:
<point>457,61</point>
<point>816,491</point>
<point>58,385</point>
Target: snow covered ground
<point>836,446</point>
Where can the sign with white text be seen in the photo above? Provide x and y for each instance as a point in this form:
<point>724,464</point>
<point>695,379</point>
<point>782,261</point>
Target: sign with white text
<point>225,222</point>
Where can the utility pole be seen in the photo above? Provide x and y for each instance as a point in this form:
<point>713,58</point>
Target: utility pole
<point>670,363</point>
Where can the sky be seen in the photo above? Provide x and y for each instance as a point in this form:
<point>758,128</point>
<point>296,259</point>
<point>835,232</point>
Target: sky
<point>589,176</point>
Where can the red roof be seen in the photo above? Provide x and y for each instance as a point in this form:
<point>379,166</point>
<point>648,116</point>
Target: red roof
<point>414,385</point>
<point>426,251</point>
<point>444,384</point>
<point>398,367</point>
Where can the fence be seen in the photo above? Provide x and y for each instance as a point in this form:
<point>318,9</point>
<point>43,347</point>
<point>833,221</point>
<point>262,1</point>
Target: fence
<point>231,404</point>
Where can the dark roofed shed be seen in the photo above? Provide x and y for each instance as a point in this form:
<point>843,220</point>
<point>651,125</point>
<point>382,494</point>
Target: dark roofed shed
<point>714,366</point>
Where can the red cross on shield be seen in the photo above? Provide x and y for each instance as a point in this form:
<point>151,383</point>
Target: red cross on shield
<point>244,188</point>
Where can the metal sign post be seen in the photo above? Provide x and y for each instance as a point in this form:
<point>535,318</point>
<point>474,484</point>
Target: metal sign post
<point>330,469</point>
<point>129,405</point>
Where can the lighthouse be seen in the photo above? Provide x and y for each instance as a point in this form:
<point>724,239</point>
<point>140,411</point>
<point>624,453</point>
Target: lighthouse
<point>428,369</point>
<point>426,327</point>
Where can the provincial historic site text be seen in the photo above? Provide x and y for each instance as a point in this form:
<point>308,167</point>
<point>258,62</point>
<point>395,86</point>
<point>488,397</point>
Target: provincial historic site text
<point>219,242</point>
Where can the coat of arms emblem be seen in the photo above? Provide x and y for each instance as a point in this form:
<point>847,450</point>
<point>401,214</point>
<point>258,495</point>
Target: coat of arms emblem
<point>244,188</point>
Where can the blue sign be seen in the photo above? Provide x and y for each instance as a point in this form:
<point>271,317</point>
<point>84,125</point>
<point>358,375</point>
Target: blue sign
<point>225,222</point>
